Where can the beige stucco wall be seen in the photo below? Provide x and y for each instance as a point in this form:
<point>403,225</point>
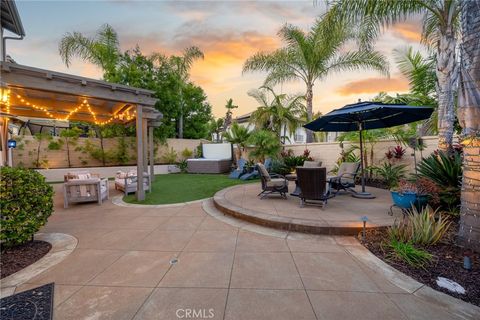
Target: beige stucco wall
<point>27,147</point>
<point>329,152</point>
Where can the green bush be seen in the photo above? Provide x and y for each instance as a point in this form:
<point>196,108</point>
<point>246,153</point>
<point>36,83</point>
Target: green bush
<point>408,253</point>
<point>445,170</point>
<point>424,227</point>
<point>170,156</point>
<point>26,202</point>
<point>266,145</point>
<point>390,173</point>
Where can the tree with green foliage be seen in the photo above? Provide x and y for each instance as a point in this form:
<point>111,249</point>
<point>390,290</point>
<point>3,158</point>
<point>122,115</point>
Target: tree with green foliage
<point>441,22</point>
<point>238,135</point>
<point>265,144</point>
<point>313,56</point>
<point>69,137</point>
<point>283,112</point>
<point>228,115</point>
<point>103,50</point>
<point>40,137</point>
<point>215,126</point>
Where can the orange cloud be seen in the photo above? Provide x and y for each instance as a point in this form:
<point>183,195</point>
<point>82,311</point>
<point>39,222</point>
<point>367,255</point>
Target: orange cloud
<point>409,30</point>
<point>374,85</point>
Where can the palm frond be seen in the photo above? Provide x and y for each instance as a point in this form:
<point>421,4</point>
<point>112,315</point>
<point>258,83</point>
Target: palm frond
<point>358,60</point>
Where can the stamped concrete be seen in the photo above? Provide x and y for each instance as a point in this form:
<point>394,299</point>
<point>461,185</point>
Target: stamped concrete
<point>192,260</point>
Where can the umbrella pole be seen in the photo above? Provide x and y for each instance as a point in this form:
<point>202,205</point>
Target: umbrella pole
<point>363,194</point>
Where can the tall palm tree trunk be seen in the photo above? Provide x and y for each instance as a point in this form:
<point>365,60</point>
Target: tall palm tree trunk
<point>469,117</point>
<point>446,75</point>
<point>309,101</point>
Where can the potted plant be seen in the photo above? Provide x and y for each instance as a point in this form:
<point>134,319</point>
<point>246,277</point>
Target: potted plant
<point>408,194</point>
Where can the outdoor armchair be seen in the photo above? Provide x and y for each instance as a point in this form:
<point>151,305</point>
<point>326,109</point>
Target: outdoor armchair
<point>255,174</point>
<point>127,181</point>
<point>272,183</point>
<point>312,164</point>
<point>345,178</point>
<point>84,187</point>
<point>313,185</point>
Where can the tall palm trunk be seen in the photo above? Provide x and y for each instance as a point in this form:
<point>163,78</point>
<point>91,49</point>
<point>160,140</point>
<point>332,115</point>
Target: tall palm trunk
<point>469,117</point>
<point>309,101</point>
<point>446,75</point>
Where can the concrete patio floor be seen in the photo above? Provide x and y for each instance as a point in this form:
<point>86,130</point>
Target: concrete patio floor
<point>121,270</point>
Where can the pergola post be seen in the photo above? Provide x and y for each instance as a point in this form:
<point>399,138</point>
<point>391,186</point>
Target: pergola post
<point>140,149</point>
<point>151,152</point>
<point>145,144</point>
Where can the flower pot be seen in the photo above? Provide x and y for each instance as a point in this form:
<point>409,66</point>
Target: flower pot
<point>407,199</point>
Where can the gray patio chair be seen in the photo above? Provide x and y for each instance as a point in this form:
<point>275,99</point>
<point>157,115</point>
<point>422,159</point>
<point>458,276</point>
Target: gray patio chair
<point>313,185</point>
<point>345,178</point>
<point>85,190</point>
<point>272,183</point>
<point>312,164</point>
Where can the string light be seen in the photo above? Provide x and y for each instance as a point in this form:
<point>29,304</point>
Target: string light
<point>126,115</point>
<point>5,99</point>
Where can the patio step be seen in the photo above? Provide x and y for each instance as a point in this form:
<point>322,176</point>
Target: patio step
<point>284,223</point>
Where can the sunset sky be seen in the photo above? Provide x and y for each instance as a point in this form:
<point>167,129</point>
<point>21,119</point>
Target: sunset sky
<point>228,32</point>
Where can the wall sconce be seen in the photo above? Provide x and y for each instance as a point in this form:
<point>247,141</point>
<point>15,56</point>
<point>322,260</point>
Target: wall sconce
<point>11,144</point>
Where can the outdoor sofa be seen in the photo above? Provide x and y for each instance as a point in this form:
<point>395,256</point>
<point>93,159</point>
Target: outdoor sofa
<point>217,158</point>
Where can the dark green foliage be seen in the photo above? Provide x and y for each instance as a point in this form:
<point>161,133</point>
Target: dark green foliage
<point>408,253</point>
<point>390,173</point>
<point>26,202</point>
<point>55,145</point>
<point>445,169</point>
<point>266,145</point>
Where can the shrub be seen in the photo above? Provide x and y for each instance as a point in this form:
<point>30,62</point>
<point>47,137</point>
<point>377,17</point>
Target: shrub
<point>183,165</point>
<point>390,173</point>
<point>424,228</point>
<point>279,167</point>
<point>445,170</point>
<point>26,202</point>
<point>187,154</point>
<point>266,145</point>
<point>170,156</point>
<point>408,253</point>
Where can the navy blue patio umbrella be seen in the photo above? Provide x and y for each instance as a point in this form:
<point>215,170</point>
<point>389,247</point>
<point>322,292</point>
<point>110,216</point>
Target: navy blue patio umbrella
<point>365,116</point>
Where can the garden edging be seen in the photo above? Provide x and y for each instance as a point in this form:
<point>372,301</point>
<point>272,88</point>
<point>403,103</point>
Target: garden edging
<point>118,200</point>
<point>401,280</point>
<point>62,245</point>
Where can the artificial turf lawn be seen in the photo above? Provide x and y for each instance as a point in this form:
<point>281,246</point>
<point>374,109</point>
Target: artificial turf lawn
<point>183,187</point>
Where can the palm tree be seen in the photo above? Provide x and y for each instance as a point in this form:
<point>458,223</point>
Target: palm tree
<point>440,31</point>
<point>238,135</point>
<point>469,117</point>
<point>103,50</point>
<point>228,116</point>
<point>284,112</point>
<point>312,56</point>
<point>216,126</point>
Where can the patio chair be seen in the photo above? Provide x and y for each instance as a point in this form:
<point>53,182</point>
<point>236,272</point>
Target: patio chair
<point>84,187</point>
<point>240,170</point>
<point>312,164</point>
<point>127,181</point>
<point>345,178</point>
<point>255,174</point>
<point>272,183</point>
<point>313,185</point>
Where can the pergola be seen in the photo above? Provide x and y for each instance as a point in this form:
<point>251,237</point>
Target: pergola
<point>38,93</point>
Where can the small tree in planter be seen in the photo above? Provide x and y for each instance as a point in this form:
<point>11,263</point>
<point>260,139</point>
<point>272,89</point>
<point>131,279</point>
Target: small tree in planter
<point>26,202</point>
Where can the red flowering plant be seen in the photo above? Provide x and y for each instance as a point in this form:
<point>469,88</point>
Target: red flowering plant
<point>398,152</point>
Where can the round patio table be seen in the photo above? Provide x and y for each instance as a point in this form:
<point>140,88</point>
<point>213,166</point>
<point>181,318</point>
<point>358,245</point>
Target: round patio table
<point>293,177</point>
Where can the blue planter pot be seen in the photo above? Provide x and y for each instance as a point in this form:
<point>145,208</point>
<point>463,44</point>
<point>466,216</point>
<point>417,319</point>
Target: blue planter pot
<point>407,199</point>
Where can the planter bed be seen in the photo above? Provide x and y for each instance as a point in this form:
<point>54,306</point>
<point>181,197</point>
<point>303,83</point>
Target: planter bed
<point>16,258</point>
<point>447,262</point>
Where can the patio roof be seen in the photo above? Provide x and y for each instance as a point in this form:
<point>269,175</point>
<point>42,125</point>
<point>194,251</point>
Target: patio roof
<point>10,18</point>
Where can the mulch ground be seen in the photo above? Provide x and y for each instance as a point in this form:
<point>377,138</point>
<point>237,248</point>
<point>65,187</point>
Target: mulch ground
<point>447,263</point>
<point>18,257</point>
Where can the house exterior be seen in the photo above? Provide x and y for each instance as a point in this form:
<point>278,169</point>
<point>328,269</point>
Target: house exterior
<point>297,137</point>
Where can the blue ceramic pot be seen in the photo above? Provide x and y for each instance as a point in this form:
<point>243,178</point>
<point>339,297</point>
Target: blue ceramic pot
<point>407,199</point>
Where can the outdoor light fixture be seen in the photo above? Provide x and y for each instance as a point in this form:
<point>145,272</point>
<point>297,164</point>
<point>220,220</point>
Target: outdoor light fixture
<point>11,143</point>
<point>364,220</point>
<point>467,260</point>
